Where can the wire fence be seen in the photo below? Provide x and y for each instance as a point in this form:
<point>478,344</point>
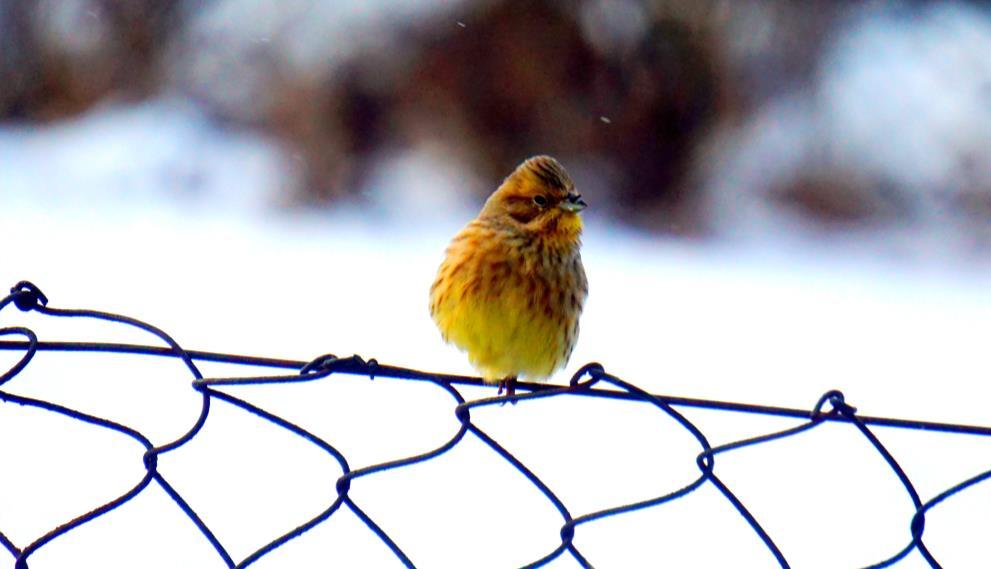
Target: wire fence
<point>590,381</point>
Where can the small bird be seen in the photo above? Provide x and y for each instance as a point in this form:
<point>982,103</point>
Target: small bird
<point>512,284</point>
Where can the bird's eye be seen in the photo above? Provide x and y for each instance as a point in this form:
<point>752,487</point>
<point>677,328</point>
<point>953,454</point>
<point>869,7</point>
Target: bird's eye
<point>540,200</point>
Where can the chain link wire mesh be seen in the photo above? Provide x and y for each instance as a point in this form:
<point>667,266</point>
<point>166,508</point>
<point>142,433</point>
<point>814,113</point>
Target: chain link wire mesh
<point>591,381</point>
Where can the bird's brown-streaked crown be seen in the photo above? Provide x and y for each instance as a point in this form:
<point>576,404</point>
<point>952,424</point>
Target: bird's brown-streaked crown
<point>539,192</point>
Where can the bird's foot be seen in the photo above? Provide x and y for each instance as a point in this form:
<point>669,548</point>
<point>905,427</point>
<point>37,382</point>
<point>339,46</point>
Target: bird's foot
<point>509,386</point>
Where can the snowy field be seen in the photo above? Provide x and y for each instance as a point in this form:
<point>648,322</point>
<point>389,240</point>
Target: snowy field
<point>170,219</point>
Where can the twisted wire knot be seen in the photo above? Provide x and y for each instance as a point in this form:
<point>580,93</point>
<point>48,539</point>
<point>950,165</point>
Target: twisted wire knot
<point>837,403</point>
<point>319,363</point>
<point>27,296</point>
<point>593,370</point>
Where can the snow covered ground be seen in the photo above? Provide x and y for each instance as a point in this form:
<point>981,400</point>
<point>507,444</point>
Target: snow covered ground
<point>156,213</point>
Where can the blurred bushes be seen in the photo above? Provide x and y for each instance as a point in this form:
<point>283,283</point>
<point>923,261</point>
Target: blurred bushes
<point>625,87</point>
<point>60,57</point>
<point>673,114</point>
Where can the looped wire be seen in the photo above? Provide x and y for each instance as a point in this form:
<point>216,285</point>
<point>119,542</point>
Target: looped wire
<point>837,403</point>
<point>25,296</point>
<point>29,353</point>
<point>593,370</point>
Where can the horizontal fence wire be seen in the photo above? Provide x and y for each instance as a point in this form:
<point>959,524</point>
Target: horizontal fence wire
<point>590,381</point>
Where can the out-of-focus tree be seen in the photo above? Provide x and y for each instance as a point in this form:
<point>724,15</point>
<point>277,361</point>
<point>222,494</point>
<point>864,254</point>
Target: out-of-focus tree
<point>60,57</point>
<point>685,116</point>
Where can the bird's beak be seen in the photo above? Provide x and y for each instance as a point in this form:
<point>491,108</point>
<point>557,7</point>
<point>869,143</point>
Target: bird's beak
<point>573,203</point>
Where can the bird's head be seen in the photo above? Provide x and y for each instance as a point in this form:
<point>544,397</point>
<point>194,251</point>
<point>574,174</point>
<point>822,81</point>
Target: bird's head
<point>540,198</point>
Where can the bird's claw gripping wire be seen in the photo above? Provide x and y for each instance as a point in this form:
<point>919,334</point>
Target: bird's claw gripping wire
<point>509,386</point>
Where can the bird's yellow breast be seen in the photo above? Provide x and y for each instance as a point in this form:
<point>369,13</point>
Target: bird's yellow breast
<point>513,310</point>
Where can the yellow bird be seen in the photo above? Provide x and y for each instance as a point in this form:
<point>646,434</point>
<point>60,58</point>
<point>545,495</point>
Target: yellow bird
<point>512,285</point>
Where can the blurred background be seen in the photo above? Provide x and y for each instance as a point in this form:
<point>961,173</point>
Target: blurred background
<point>785,198</point>
<point>692,118</point>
